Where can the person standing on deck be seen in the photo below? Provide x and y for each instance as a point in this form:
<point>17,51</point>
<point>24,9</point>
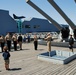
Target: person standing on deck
<point>20,39</point>
<point>48,38</point>
<point>8,41</point>
<point>71,43</point>
<point>6,56</point>
<point>14,38</point>
<point>35,42</point>
<point>2,42</point>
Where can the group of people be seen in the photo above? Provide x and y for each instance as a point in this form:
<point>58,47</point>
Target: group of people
<point>7,40</point>
<point>6,46</point>
<point>27,38</point>
<point>48,38</point>
<point>6,49</point>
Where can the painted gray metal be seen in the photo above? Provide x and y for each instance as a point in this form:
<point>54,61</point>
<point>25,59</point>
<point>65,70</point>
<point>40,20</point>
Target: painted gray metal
<point>44,14</point>
<point>7,23</point>
<point>72,25</point>
<point>44,26</point>
<point>58,44</point>
<point>58,56</point>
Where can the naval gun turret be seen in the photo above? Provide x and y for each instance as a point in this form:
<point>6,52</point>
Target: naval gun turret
<point>63,30</point>
<point>72,25</point>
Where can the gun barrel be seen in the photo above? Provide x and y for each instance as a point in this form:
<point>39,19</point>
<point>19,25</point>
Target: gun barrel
<point>72,25</point>
<point>44,14</point>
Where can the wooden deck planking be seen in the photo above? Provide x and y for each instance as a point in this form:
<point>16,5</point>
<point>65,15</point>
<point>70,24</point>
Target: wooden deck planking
<point>68,68</point>
<point>27,60</point>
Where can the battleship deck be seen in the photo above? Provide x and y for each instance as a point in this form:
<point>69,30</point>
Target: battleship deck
<point>25,62</point>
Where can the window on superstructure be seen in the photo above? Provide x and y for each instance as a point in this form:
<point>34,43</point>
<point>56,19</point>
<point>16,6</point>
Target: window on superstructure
<point>27,26</point>
<point>36,26</point>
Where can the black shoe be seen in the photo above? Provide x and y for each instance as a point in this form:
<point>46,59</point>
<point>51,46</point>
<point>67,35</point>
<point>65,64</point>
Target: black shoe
<point>7,69</point>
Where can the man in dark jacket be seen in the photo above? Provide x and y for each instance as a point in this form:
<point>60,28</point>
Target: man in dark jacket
<point>71,42</point>
<point>20,41</point>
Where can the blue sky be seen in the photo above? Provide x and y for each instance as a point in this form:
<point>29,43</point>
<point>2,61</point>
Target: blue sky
<point>20,7</point>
